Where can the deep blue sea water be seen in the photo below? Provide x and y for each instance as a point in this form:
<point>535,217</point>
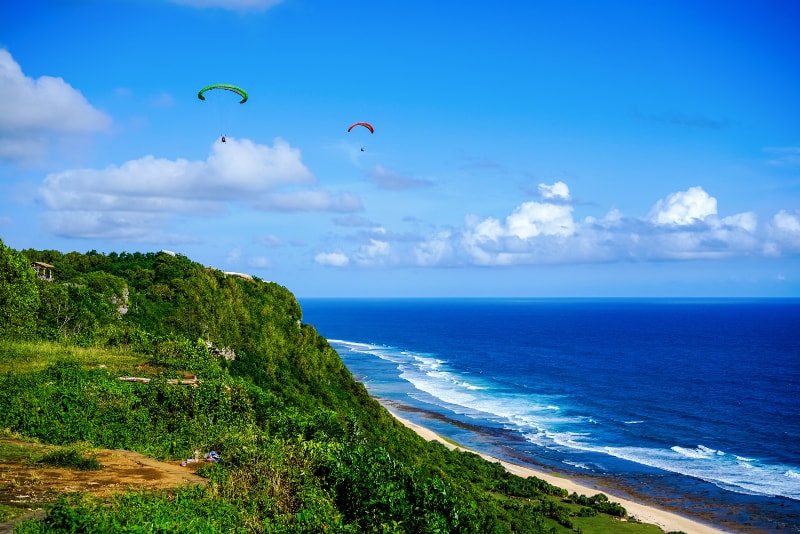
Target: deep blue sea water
<point>690,404</point>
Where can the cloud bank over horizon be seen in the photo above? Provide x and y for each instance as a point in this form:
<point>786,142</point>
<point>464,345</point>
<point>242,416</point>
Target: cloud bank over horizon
<point>684,225</point>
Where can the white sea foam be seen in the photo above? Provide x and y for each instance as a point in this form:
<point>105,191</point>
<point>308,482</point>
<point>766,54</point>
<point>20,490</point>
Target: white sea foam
<point>579,465</point>
<point>727,471</point>
<point>699,452</point>
<point>476,396</point>
<point>544,421</point>
<point>550,440</point>
<point>542,424</point>
<point>473,394</point>
<point>353,346</point>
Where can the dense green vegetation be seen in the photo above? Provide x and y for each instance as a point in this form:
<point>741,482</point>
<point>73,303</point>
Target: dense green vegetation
<point>304,448</point>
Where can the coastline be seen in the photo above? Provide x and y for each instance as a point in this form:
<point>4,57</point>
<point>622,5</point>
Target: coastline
<point>666,520</point>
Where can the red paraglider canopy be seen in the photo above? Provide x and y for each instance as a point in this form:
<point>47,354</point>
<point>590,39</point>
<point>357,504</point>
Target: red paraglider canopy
<point>366,125</point>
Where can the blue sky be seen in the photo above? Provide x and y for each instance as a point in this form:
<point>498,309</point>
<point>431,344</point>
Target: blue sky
<point>521,147</point>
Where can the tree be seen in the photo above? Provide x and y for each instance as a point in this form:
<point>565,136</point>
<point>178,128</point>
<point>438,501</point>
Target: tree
<point>19,298</point>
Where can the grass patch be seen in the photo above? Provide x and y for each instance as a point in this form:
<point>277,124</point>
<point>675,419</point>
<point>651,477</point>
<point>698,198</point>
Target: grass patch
<point>14,448</point>
<point>22,357</point>
<point>604,524</point>
<point>70,459</point>
<point>8,512</point>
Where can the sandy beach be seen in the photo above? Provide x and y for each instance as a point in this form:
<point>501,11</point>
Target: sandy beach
<point>668,521</point>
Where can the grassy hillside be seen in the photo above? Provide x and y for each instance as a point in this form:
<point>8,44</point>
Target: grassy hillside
<point>304,448</point>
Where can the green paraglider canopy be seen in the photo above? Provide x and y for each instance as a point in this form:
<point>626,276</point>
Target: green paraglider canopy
<point>238,90</point>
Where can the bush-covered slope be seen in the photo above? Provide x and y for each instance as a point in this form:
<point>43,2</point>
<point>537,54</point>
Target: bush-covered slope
<point>304,448</point>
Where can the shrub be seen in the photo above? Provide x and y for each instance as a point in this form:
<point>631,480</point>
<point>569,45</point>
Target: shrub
<point>70,459</point>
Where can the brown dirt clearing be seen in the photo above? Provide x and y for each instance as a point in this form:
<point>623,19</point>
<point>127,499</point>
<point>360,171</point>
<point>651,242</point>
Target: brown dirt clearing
<point>26,485</point>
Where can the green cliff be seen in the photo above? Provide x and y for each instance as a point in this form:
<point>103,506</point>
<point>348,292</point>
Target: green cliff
<point>224,362</point>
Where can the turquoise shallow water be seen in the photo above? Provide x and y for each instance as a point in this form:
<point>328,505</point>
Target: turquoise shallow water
<point>691,404</point>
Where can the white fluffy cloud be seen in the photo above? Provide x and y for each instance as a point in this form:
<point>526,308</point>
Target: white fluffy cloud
<point>271,178</point>
<point>533,232</point>
<point>372,252</point>
<point>438,250</point>
<point>558,190</point>
<point>236,170</point>
<point>376,252</point>
<point>786,223</point>
<point>536,218</point>
<point>783,233</point>
<point>746,221</point>
<point>528,220</point>
<point>682,226</point>
<point>33,110</point>
<point>333,259</point>
<point>683,207</point>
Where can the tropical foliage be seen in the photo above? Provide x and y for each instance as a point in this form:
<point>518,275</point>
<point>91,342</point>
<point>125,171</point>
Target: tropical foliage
<point>304,448</point>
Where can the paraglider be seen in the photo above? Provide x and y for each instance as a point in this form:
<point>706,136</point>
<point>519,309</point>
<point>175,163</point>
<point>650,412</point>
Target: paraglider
<point>228,87</point>
<point>366,125</point>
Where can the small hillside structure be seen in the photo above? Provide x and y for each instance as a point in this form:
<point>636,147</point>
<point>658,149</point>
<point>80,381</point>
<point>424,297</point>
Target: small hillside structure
<point>43,270</point>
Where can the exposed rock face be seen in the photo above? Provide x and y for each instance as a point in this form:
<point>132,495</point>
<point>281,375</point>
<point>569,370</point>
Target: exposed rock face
<point>122,303</point>
<point>226,352</point>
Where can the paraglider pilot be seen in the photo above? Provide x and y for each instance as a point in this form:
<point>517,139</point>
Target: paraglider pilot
<point>223,138</point>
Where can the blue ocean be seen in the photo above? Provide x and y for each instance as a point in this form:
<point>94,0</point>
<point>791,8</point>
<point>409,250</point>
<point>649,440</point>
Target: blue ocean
<point>689,404</point>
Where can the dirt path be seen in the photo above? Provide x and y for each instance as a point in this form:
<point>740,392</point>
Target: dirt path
<point>29,487</point>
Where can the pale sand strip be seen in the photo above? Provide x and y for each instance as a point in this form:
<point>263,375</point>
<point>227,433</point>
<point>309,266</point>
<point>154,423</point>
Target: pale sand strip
<point>668,521</point>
